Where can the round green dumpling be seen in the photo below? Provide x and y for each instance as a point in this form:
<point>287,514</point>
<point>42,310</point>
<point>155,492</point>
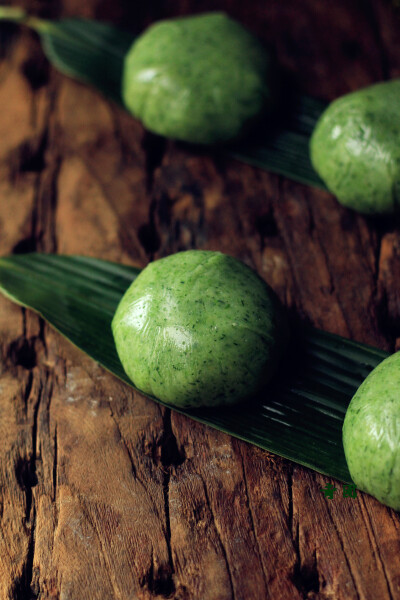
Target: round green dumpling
<point>199,328</point>
<point>355,148</point>
<point>371,433</point>
<point>199,79</point>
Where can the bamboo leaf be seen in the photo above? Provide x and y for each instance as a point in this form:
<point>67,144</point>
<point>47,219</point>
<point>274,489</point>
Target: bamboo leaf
<point>285,149</point>
<point>93,52</point>
<point>84,49</point>
<point>299,416</point>
<point>87,50</point>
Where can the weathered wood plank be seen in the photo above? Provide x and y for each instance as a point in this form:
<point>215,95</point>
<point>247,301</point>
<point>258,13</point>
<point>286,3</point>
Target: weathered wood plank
<point>103,494</point>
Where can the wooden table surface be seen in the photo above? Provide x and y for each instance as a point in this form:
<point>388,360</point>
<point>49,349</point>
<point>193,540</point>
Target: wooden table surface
<point>103,493</point>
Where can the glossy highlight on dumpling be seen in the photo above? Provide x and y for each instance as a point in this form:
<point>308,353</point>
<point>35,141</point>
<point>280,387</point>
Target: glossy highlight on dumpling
<point>371,433</point>
<point>199,328</point>
<point>355,148</point>
<point>200,79</point>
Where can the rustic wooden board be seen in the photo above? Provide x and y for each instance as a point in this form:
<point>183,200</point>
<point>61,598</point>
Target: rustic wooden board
<point>103,493</point>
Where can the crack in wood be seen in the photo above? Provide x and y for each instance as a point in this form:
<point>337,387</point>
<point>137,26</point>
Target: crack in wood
<point>160,581</point>
<point>128,234</point>
<point>45,197</point>
<point>218,533</point>
<point>131,460</point>
<point>276,201</point>
<point>154,147</point>
<point>33,156</point>
<point>29,156</point>
<point>386,302</point>
<point>23,589</point>
<point>342,547</point>
<point>22,352</point>
<point>305,575</point>
<point>27,391</point>
<point>99,534</point>
<point>36,68</point>
<point>171,457</point>
<point>44,225</point>
<point>148,234</point>
<point>372,538</point>
<point>166,585</point>
<point>266,227</point>
<point>24,586</point>
<point>250,511</point>
<point>55,464</point>
<point>121,437</point>
<point>171,454</point>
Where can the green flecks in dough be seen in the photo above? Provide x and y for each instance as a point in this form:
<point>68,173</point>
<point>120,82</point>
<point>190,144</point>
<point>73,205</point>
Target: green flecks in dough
<point>199,328</point>
<point>199,79</point>
<point>355,148</point>
<point>371,433</point>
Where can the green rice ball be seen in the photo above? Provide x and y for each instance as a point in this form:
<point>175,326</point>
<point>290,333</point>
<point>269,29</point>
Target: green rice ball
<point>355,148</point>
<point>201,79</point>
<point>371,433</point>
<point>199,328</point>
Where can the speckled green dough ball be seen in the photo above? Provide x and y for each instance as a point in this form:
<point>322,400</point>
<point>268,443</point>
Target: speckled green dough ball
<point>355,148</point>
<point>199,328</point>
<point>199,79</point>
<point>371,433</point>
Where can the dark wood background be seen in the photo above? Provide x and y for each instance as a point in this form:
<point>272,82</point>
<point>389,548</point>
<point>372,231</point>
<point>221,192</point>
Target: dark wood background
<point>104,494</point>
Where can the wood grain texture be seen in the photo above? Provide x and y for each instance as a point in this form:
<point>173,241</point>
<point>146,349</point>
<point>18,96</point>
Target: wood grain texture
<point>103,493</point>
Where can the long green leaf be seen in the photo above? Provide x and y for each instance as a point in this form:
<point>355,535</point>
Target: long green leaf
<point>87,50</point>
<point>93,52</point>
<point>299,417</point>
<point>285,149</point>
